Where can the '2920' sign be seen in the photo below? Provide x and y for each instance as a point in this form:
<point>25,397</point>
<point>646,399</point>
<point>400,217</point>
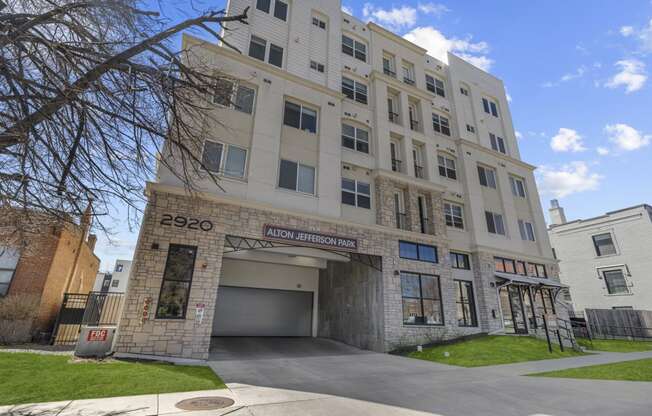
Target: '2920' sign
<point>186,222</point>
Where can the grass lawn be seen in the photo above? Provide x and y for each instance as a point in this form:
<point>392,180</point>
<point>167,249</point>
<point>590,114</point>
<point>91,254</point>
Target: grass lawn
<point>637,370</point>
<point>33,378</point>
<point>492,350</point>
<point>615,345</point>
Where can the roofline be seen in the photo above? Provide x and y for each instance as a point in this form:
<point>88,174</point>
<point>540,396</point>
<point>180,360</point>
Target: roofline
<point>607,214</point>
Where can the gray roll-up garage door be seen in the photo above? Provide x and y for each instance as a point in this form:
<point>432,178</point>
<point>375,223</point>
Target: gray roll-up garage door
<point>253,312</point>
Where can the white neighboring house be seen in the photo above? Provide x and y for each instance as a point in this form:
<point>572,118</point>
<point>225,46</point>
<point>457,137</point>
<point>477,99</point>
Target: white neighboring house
<point>114,281</point>
<point>605,260</point>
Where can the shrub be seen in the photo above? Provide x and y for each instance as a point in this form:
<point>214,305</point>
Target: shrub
<point>17,313</point>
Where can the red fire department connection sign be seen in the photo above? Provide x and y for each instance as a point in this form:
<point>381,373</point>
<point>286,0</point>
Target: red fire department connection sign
<point>272,232</point>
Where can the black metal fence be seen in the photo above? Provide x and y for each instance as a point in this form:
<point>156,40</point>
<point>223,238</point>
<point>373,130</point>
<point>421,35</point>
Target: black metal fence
<point>614,324</point>
<point>77,309</point>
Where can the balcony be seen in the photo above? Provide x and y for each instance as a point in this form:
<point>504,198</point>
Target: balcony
<point>394,117</point>
<point>419,172</point>
<point>408,81</point>
<point>389,72</point>
<point>401,221</point>
<point>414,125</point>
<point>396,165</point>
<point>427,226</point>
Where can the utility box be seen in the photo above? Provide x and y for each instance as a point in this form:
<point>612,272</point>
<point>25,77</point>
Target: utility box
<point>95,341</point>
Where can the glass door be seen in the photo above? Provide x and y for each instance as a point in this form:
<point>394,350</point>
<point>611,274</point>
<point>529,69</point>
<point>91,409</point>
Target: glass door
<point>518,313</point>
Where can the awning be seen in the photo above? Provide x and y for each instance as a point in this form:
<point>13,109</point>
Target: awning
<point>531,281</point>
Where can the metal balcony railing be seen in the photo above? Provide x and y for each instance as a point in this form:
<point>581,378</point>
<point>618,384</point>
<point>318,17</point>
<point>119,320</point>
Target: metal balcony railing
<point>408,81</point>
<point>396,165</point>
<point>393,117</point>
<point>414,125</point>
<point>389,72</point>
<point>419,172</point>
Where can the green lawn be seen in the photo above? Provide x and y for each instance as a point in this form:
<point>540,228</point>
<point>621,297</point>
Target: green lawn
<point>615,345</point>
<point>492,350</point>
<point>34,378</point>
<point>637,370</point>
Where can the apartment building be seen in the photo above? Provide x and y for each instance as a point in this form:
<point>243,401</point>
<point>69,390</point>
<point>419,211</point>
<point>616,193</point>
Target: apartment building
<point>372,194</point>
<point>114,280</point>
<point>605,260</point>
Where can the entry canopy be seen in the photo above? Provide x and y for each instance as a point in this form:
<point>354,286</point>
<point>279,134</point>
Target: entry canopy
<point>531,281</point>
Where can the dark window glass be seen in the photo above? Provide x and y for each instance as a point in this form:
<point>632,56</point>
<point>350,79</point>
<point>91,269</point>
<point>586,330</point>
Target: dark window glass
<point>491,226</point>
<point>408,250</point>
<point>510,266</point>
<point>263,5</point>
<point>485,105</point>
<point>430,83</point>
<point>422,303</point>
<point>223,92</point>
<point>177,278</point>
<point>244,99</point>
<point>348,88</point>
<point>347,45</point>
<point>308,120</point>
<point>520,268</point>
<point>500,265</point>
<point>288,175</point>
<point>466,315</point>
<point>292,115</point>
<point>415,251</point>
<point>257,48</point>
<point>212,156</point>
<point>460,261</point>
<point>604,244</point>
<point>427,253</point>
<point>361,51</point>
<point>494,109</point>
<point>281,10</point>
<point>276,55</point>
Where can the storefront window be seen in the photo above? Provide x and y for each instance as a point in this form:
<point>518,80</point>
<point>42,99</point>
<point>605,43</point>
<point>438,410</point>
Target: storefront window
<point>177,278</point>
<point>422,303</point>
<point>465,304</point>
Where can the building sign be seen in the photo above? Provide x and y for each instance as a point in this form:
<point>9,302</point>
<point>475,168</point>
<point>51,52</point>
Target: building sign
<point>98,335</point>
<point>147,304</point>
<point>272,232</point>
<point>181,221</point>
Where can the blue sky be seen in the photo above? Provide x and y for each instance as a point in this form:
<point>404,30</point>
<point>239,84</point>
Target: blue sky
<point>577,72</point>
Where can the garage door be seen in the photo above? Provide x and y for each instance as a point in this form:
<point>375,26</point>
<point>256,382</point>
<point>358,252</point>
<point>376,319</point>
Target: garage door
<point>247,312</point>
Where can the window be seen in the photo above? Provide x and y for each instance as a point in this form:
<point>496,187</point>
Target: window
<point>454,215</point>
<point>518,186</point>
<point>300,117</point>
<point>422,303</point>
<point>319,23</point>
<point>257,47</point>
<point>297,177</point>
<point>392,109</point>
<point>497,143</point>
<point>399,211</point>
<point>537,270</point>
<point>460,261</point>
<point>119,268</point>
<point>604,245</point>
<point>239,97</point>
<point>440,124</point>
<point>317,66</point>
<point>615,281</point>
<point>115,283</point>
<point>354,48</point>
<point>388,66</point>
<point>470,128</point>
<point>355,138</point>
<point>414,251</point>
<point>408,73</point>
<point>275,55</point>
<point>395,154</point>
<point>418,158</point>
<point>465,303</point>
<point>354,90</point>
<point>263,5</point>
<point>487,177</point>
<point>281,10</point>
<point>8,260</point>
<point>505,265</point>
<point>527,230</point>
<point>494,223</point>
<point>464,91</point>
<point>230,163</point>
<point>435,85</point>
<point>490,107</point>
<point>177,278</point>
<point>356,193</point>
<point>447,167</point>
<point>521,268</point>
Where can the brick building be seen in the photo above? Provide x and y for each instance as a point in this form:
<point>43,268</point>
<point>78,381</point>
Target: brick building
<point>54,259</point>
<point>372,194</point>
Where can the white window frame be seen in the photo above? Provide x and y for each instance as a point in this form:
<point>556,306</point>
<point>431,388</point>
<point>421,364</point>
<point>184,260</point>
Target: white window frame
<point>624,271</point>
<point>356,48</point>
<point>446,159</point>
<point>442,123</point>
<point>235,85</point>
<point>494,217</point>
<point>438,85</point>
<point>301,108</point>
<point>9,257</point>
<point>316,66</point>
<point>296,186</point>
<point>357,193</point>
<point>517,191</point>
<point>357,94</point>
<point>355,138</point>
<point>318,22</point>
<point>493,183</point>
<point>223,158</point>
<point>498,143</point>
<point>526,229</point>
<point>449,212</point>
<point>391,60</point>
<point>268,48</point>
<point>408,73</point>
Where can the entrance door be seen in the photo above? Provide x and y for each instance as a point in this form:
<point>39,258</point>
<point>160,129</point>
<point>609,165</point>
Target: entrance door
<point>254,312</point>
<point>518,314</point>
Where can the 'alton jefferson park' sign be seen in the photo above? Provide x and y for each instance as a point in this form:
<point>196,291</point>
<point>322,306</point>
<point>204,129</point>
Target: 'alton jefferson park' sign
<point>272,232</point>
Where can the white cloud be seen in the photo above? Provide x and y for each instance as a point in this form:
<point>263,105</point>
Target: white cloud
<point>569,179</point>
<point>578,73</point>
<point>642,35</point>
<point>567,140</point>
<point>347,9</point>
<point>434,9</point>
<point>403,17</point>
<point>626,137</point>
<point>602,151</point>
<point>632,75</point>
<point>439,45</point>
<point>627,31</point>
<point>518,134</point>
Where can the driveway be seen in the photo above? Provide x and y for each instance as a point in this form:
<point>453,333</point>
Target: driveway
<point>305,376</point>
